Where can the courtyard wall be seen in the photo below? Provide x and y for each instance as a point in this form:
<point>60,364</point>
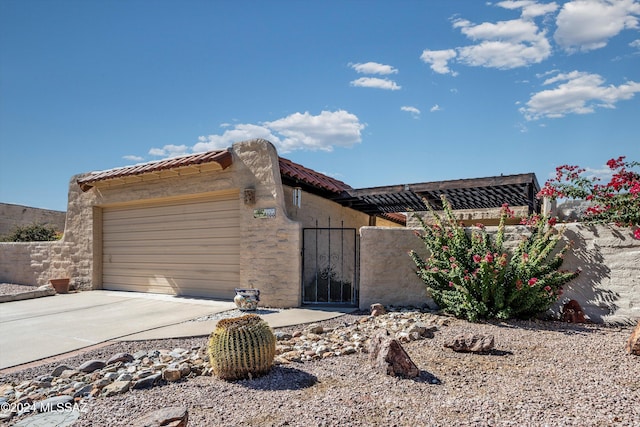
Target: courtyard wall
<point>608,287</point>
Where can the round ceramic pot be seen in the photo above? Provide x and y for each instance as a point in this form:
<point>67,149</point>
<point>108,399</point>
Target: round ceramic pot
<point>60,285</point>
<point>247,299</point>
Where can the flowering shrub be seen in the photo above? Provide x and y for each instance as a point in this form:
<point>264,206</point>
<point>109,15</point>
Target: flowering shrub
<point>471,275</point>
<point>617,202</point>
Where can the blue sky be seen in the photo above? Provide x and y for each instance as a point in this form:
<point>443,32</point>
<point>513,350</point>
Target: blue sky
<point>370,92</point>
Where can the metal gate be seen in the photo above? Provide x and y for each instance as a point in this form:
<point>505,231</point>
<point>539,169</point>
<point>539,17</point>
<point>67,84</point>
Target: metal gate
<point>329,266</point>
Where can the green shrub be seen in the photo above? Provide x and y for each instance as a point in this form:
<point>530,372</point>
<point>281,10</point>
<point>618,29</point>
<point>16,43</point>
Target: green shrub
<point>471,275</point>
<point>33,233</point>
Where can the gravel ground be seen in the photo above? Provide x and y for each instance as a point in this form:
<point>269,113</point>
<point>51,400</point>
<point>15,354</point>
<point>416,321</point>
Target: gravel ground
<point>13,289</point>
<point>541,373</point>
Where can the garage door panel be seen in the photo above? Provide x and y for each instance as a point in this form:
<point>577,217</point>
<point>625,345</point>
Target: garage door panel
<point>225,217</point>
<point>221,208</point>
<point>175,247</point>
<point>171,234</point>
<point>186,260</point>
<point>165,246</point>
<point>167,277</point>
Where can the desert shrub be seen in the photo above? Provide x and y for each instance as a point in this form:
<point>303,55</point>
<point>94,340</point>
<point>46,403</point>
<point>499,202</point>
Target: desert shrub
<point>33,233</point>
<point>469,273</point>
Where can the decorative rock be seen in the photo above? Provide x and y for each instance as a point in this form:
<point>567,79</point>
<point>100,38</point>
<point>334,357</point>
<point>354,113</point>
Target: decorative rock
<point>91,365</point>
<point>377,309</point>
<point>389,356</point>
<point>572,312</point>
<point>633,343</point>
<point>57,403</point>
<point>147,382</point>
<point>120,357</point>
<point>314,328</point>
<point>117,387</point>
<point>83,392</point>
<point>68,373</point>
<point>471,343</point>
<point>171,374</point>
<point>59,370</point>
<point>55,418</point>
<point>422,329</point>
<point>282,336</point>
<point>169,417</point>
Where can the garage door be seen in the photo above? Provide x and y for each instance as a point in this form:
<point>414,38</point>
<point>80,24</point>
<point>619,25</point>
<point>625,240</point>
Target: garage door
<point>174,247</point>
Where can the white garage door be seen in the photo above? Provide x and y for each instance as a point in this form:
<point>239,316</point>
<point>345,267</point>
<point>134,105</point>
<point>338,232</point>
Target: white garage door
<point>174,247</point>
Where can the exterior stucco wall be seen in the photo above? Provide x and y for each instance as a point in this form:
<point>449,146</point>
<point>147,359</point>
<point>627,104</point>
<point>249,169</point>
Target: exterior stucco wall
<point>608,287</point>
<point>316,211</point>
<point>12,216</point>
<point>269,251</point>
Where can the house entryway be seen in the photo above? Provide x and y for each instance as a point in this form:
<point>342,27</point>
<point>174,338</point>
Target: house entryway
<point>329,266</point>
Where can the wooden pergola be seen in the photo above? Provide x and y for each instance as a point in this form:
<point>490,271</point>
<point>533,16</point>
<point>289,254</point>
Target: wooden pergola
<point>476,193</point>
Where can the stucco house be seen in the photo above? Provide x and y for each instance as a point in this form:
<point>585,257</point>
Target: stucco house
<point>204,224</point>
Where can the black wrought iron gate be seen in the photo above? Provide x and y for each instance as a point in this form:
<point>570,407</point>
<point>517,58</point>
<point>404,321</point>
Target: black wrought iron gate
<point>329,266</point>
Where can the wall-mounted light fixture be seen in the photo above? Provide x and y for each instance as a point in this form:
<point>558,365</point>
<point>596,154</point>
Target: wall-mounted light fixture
<point>297,197</point>
<point>249,196</point>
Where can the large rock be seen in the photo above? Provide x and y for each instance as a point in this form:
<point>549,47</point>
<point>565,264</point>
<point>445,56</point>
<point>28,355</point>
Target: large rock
<point>91,365</point>
<point>471,343</point>
<point>377,309</point>
<point>117,387</point>
<point>176,416</point>
<point>120,357</point>
<point>388,355</point>
<point>633,344</point>
<point>572,312</point>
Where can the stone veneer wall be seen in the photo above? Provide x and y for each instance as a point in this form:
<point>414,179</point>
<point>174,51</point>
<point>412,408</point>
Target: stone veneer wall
<point>608,287</point>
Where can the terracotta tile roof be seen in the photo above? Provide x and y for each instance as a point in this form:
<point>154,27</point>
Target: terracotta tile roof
<point>299,173</point>
<point>222,157</point>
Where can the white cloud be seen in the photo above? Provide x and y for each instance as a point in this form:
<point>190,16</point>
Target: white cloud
<point>530,8</point>
<point>504,45</point>
<point>584,25</point>
<point>169,151</point>
<point>133,158</point>
<point>576,93</point>
<point>298,131</point>
<point>439,60</point>
<point>375,82</point>
<point>435,108</point>
<point>374,68</point>
<point>635,44</point>
<point>303,131</point>
<point>236,133</point>
<point>413,110</point>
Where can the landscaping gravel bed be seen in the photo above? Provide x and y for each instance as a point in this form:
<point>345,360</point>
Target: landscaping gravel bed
<point>13,289</point>
<point>541,373</point>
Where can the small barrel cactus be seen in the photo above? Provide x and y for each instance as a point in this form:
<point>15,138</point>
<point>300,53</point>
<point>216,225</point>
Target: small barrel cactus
<point>241,347</point>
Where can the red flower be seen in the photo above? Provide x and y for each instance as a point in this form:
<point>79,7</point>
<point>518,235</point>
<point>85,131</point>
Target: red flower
<point>489,258</point>
<point>552,221</point>
<point>477,258</point>
<point>451,284</point>
<point>636,233</point>
<point>547,288</point>
<point>518,284</point>
<point>532,281</point>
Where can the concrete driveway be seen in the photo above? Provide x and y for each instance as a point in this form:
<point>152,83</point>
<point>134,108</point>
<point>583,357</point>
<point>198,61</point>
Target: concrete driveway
<point>34,329</point>
<point>39,328</point>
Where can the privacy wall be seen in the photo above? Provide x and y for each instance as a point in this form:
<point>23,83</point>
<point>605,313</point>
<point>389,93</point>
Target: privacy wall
<point>608,287</point>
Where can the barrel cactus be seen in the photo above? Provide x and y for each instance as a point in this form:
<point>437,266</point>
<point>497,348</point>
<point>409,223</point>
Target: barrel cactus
<point>241,347</point>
